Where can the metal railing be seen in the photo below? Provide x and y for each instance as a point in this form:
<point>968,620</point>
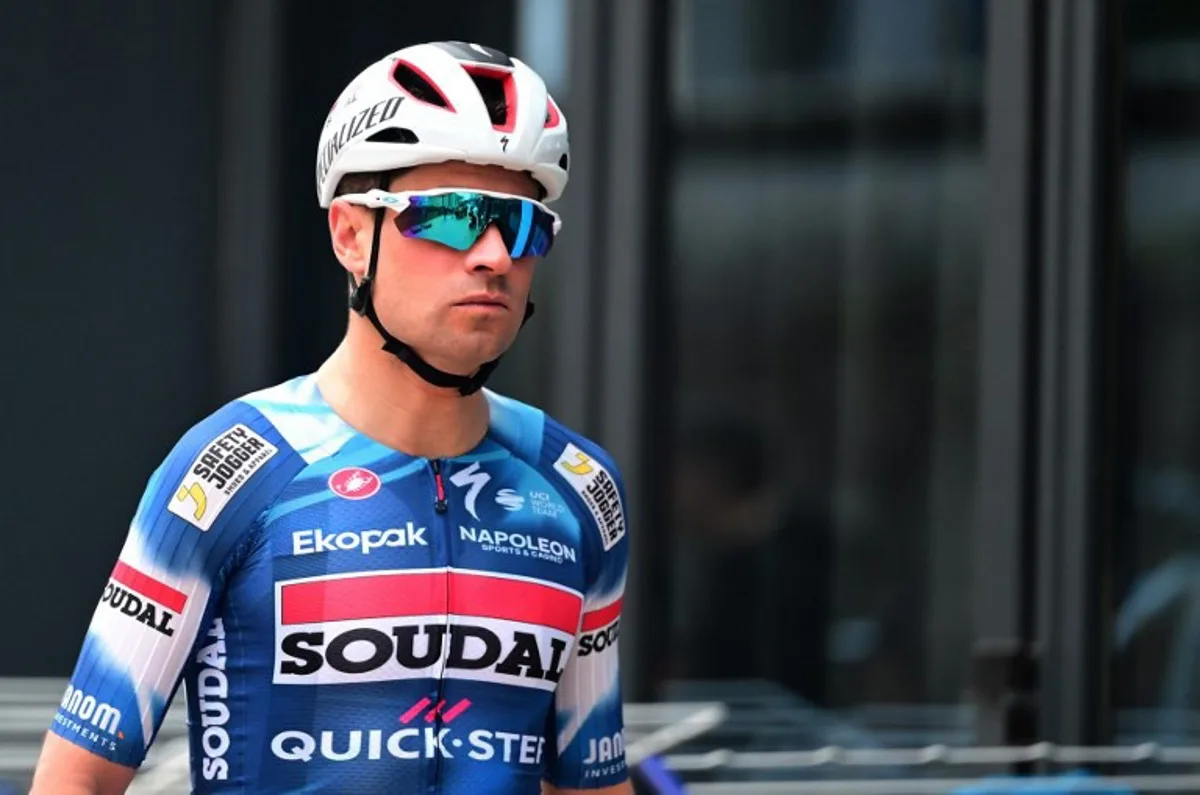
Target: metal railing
<point>666,730</point>
<point>27,708</point>
<point>931,755</point>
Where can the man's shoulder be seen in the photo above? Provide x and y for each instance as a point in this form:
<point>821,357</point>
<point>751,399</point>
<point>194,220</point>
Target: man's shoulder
<point>248,416</point>
<point>540,438</point>
<point>291,412</point>
<point>239,455</point>
<point>593,475</point>
<point>578,464</point>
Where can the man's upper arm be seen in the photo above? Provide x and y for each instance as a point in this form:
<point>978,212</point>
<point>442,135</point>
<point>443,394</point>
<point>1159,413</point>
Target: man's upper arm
<point>195,513</point>
<point>589,723</point>
<point>67,769</point>
<point>624,788</point>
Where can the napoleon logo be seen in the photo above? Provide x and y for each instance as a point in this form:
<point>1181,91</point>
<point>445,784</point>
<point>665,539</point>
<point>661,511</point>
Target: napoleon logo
<point>518,544</point>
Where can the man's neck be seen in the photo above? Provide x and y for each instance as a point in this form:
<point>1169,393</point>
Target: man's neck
<point>379,396</point>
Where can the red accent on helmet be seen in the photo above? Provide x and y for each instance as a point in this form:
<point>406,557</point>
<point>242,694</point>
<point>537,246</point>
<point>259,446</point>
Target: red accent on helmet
<point>510,92</point>
<point>553,115</point>
<point>446,103</point>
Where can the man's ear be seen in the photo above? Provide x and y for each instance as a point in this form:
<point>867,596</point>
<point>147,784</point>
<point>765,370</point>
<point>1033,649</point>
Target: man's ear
<point>350,235</point>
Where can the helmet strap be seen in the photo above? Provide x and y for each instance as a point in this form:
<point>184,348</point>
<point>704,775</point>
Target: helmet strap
<point>361,303</point>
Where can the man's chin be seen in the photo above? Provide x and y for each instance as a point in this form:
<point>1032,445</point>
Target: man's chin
<point>467,363</point>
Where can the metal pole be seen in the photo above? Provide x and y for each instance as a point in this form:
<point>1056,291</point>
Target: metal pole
<point>630,196</point>
<point>1004,595</point>
<point>1079,246</point>
<point>247,185</point>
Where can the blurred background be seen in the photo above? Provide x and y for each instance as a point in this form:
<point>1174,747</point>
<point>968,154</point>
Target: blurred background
<point>888,309</point>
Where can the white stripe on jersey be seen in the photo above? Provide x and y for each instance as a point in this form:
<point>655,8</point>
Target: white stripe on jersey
<point>152,661</point>
<point>588,680</point>
<point>302,418</point>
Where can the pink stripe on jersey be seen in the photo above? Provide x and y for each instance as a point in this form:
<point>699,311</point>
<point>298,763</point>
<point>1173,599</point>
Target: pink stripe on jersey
<point>149,587</point>
<point>602,617</point>
<point>429,593</point>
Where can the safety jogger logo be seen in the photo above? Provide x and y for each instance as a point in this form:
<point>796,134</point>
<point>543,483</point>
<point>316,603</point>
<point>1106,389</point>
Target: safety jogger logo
<point>223,467</point>
<point>598,488</point>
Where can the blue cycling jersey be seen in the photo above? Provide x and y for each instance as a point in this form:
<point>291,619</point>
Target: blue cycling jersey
<point>346,618</point>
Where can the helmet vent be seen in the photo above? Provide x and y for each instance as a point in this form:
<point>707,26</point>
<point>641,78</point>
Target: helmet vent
<point>417,86</point>
<point>492,91</point>
<point>395,135</point>
<point>553,117</point>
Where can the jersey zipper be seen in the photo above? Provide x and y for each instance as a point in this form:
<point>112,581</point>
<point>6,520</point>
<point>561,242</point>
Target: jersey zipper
<point>442,507</point>
<point>439,485</point>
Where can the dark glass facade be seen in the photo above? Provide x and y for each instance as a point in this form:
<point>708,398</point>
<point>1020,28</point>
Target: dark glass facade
<point>826,241</point>
<point>1156,625</point>
<point>887,309</point>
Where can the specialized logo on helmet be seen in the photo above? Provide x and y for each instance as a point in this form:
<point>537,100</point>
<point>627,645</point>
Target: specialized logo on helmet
<point>415,93</point>
<point>356,126</point>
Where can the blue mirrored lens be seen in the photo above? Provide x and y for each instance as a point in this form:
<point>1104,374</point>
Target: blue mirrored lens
<point>458,220</point>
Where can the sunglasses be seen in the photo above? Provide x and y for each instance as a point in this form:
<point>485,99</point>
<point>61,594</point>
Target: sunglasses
<point>458,217</point>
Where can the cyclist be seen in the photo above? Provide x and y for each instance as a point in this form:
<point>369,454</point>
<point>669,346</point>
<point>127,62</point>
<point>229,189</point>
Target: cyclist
<point>381,577</point>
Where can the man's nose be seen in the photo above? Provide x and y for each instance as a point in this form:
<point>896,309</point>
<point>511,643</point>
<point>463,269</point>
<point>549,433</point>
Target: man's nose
<point>489,253</point>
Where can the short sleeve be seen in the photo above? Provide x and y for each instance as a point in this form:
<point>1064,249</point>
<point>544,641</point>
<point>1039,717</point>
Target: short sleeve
<point>589,722</point>
<point>198,507</point>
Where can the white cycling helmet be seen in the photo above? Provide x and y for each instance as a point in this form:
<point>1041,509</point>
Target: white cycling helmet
<point>449,100</point>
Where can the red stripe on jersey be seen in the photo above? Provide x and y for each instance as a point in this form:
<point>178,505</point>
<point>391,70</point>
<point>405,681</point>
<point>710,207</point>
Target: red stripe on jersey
<point>602,617</point>
<point>429,593</point>
<point>149,587</point>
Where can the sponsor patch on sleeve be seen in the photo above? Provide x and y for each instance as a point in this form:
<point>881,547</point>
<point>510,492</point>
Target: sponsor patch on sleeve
<point>218,473</point>
<point>598,488</point>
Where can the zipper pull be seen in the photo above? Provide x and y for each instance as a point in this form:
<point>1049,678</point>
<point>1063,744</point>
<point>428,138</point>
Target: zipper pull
<point>440,505</point>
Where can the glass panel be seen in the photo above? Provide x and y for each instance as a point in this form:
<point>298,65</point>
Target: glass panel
<point>1157,625</point>
<point>826,241</point>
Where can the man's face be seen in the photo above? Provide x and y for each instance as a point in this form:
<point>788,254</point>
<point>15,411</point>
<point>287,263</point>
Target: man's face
<point>457,309</point>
